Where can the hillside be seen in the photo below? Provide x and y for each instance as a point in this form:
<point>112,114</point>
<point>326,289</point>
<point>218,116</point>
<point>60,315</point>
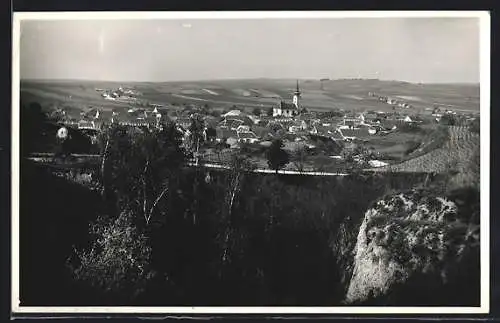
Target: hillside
<point>459,153</point>
<point>284,239</point>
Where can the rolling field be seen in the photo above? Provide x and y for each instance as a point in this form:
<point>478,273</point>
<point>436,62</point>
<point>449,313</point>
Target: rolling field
<point>344,94</point>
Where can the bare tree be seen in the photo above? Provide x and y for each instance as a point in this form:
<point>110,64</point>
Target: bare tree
<point>239,166</point>
<point>141,163</point>
<point>299,158</point>
<point>197,136</point>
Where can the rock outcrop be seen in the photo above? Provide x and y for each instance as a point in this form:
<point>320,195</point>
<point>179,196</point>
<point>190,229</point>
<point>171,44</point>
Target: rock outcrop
<point>416,248</point>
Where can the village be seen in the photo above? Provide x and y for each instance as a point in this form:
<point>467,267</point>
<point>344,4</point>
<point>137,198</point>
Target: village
<point>315,140</point>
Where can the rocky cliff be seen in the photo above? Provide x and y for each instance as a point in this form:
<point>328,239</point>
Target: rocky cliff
<point>416,248</point>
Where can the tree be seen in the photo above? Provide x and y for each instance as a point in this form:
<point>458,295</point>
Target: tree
<point>211,133</point>
<point>299,158</point>
<point>219,149</point>
<point>275,127</point>
<point>270,112</point>
<point>277,157</point>
<point>196,134</point>
<point>118,260</point>
<point>215,113</point>
<point>141,163</point>
<point>257,111</point>
<point>33,123</point>
<point>239,165</point>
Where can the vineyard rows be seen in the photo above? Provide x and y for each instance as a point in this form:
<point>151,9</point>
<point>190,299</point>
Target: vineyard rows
<point>455,154</point>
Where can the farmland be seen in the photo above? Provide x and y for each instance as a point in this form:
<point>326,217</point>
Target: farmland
<point>341,94</point>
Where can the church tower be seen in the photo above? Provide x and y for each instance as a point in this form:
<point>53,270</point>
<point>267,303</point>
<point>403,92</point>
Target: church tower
<point>296,96</point>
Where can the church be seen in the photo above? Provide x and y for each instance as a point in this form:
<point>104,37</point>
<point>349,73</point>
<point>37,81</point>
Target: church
<point>286,109</point>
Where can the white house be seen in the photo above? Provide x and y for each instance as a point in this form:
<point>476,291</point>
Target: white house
<point>232,113</point>
<point>377,163</point>
<point>407,119</point>
<point>243,128</point>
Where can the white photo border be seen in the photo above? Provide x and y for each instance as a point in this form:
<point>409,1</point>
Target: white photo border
<point>484,21</point>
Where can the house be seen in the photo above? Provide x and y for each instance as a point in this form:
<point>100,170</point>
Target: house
<point>93,113</point>
<point>232,142</point>
<point>377,163</point>
<point>321,130</point>
<point>87,124</point>
<point>406,119</point>
<point>294,129</point>
<point>183,122</point>
<point>353,120</point>
<point>248,137</point>
<point>388,124</point>
<point>243,119</point>
<point>231,124</point>
<point>306,116</point>
<point>254,119</point>
<point>337,136</point>
<point>370,117</point>
<point>233,113</point>
<point>223,134</point>
<point>372,129</point>
<point>242,128</point>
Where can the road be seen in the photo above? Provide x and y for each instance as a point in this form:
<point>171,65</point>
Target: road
<point>42,157</point>
<point>270,171</point>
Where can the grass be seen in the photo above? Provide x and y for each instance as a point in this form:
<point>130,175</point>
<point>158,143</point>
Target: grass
<point>395,145</point>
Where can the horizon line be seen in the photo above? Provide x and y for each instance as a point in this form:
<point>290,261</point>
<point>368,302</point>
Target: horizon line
<point>318,79</point>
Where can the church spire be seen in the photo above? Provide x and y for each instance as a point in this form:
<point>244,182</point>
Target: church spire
<point>297,91</point>
<point>296,96</point>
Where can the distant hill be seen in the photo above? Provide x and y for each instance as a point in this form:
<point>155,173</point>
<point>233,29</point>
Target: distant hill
<point>316,94</point>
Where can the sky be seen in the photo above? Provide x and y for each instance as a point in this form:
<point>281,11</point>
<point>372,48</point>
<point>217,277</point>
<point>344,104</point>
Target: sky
<point>427,50</point>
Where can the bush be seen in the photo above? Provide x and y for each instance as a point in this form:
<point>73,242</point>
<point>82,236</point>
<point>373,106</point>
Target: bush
<point>117,261</point>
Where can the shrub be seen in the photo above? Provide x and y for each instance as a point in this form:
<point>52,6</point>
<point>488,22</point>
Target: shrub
<point>117,260</point>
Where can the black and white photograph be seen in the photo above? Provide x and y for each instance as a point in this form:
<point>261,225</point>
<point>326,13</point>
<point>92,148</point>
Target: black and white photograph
<point>250,162</point>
